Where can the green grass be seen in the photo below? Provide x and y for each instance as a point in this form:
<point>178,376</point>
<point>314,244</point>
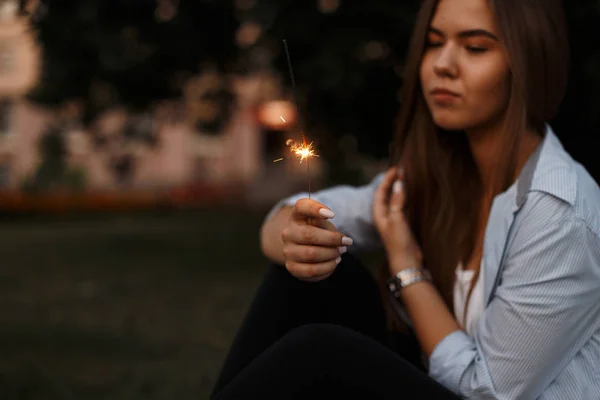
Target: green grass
<point>130,306</point>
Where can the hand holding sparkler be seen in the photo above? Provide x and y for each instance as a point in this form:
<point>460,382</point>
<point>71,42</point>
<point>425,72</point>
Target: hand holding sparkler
<point>312,246</point>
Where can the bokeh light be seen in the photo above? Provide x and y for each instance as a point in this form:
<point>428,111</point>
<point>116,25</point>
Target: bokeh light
<point>277,115</point>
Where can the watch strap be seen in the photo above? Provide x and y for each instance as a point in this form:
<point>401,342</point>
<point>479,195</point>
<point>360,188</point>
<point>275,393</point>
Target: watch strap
<point>407,277</point>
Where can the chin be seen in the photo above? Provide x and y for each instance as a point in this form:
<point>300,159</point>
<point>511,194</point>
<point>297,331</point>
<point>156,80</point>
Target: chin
<point>450,121</point>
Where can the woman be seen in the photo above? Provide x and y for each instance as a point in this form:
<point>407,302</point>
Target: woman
<point>486,199</point>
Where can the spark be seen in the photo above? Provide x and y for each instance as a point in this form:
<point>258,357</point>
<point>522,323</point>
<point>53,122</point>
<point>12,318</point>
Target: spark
<point>303,150</point>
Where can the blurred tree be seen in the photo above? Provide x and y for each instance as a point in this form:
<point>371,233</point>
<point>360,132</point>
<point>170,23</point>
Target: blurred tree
<point>53,168</point>
<point>53,171</point>
<point>127,52</point>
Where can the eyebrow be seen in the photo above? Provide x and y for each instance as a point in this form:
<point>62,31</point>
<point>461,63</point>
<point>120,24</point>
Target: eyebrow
<point>468,33</point>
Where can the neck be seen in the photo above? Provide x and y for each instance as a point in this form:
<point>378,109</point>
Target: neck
<point>484,146</point>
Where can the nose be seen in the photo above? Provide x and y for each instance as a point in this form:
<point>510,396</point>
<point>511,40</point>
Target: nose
<point>445,63</point>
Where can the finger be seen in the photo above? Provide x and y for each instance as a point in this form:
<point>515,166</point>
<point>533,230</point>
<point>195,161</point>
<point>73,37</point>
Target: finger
<point>397,196</point>
<point>380,206</point>
<point>312,254</point>
<point>312,209</point>
<point>400,173</point>
<point>311,270</point>
<point>323,224</point>
<point>319,223</point>
<point>311,235</point>
<point>319,278</point>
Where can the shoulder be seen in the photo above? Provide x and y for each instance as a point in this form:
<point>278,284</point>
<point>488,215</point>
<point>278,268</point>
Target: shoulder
<point>562,190</point>
<point>554,243</point>
<point>587,201</point>
<point>558,234</point>
<point>546,209</point>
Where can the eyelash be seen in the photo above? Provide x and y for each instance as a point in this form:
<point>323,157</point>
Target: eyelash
<point>471,49</point>
<point>477,50</point>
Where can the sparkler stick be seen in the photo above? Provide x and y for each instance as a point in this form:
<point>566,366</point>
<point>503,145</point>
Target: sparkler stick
<point>304,150</point>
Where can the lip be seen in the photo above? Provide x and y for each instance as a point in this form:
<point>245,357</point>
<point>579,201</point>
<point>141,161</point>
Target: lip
<point>444,97</point>
<point>444,92</point>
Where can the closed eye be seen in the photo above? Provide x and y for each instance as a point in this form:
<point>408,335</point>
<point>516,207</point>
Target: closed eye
<point>434,44</point>
<point>477,50</point>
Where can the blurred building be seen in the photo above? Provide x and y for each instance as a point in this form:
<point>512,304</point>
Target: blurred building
<point>161,148</point>
<point>19,69</point>
<point>157,150</point>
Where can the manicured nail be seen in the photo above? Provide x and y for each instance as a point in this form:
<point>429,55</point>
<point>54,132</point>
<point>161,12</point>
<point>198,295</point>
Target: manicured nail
<point>338,260</point>
<point>397,188</point>
<point>346,241</point>
<point>326,213</point>
<point>343,249</point>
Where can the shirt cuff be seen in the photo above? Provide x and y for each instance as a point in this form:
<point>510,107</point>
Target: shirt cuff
<point>450,359</point>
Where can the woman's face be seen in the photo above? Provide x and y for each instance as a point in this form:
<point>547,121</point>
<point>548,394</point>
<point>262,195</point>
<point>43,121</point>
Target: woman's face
<point>465,73</point>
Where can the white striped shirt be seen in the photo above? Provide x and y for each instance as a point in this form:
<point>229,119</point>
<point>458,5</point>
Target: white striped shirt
<point>539,335</point>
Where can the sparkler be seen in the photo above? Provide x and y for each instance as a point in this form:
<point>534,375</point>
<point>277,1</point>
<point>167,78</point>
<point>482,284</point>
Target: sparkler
<point>304,150</point>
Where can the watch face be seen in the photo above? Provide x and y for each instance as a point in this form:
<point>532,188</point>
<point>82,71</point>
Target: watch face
<point>394,286</point>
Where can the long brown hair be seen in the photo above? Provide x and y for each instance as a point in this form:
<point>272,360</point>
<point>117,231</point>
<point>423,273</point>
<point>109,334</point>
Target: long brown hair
<point>443,188</point>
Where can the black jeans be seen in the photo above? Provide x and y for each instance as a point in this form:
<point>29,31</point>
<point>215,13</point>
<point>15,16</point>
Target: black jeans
<point>327,339</point>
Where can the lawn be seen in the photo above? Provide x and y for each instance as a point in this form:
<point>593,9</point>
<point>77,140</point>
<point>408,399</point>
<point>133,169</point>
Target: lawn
<point>136,306</point>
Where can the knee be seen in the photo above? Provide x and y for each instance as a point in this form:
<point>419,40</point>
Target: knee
<point>318,335</point>
<point>323,346</point>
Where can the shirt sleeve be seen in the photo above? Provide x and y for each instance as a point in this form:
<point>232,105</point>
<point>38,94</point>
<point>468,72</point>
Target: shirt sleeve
<point>545,309</point>
<point>353,211</point>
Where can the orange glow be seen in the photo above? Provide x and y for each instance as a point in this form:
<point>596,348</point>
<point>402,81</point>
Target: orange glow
<point>302,150</point>
<point>277,115</point>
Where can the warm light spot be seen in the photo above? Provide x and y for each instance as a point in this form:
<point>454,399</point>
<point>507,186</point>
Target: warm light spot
<point>328,6</point>
<point>166,10</point>
<point>375,50</point>
<point>245,4</point>
<point>277,115</point>
<point>248,33</point>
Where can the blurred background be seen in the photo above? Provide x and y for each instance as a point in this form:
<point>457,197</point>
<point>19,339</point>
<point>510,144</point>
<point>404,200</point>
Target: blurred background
<point>137,140</point>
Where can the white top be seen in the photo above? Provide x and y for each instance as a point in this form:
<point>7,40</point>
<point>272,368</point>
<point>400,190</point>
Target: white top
<point>461,290</point>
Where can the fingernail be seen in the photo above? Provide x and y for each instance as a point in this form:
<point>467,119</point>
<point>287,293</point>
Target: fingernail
<point>346,241</point>
<point>326,213</point>
<point>338,260</point>
<point>400,170</point>
<point>343,249</point>
<point>397,188</point>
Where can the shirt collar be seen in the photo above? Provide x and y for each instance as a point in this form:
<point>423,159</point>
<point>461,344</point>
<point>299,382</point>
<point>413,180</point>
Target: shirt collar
<point>549,169</point>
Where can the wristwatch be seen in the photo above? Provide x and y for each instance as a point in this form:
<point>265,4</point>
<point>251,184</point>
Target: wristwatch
<point>407,277</point>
